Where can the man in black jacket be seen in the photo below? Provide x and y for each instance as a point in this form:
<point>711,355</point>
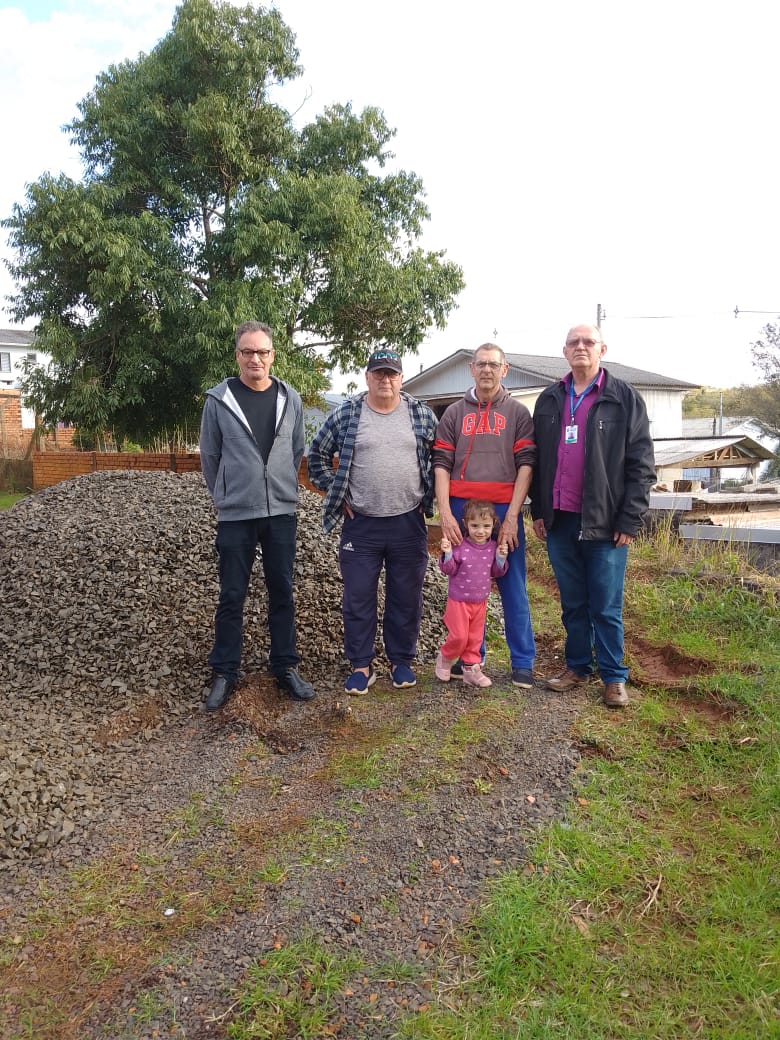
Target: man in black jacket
<point>589,496</point>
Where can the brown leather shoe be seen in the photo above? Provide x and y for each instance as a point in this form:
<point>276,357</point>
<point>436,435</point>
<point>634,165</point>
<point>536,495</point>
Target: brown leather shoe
<point>615,695</point>
<point>567,680</point>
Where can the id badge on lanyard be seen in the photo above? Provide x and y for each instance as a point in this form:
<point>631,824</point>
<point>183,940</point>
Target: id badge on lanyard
<point>570,432</point>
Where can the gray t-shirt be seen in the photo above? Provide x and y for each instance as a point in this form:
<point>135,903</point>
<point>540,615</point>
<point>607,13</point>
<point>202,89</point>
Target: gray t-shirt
<point>385,478</point>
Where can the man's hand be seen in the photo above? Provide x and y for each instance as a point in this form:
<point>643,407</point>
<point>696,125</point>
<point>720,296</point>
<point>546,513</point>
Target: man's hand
<point>450,528</point>
<point>508,532</point>
<point>621,539</point>
<point>540,530</point>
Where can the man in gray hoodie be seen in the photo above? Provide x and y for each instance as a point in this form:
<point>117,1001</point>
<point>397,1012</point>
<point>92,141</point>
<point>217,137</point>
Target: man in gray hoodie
<point>251,445</point>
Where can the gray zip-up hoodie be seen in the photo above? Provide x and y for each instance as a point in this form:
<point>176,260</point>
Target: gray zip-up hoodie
<point>240,484</point>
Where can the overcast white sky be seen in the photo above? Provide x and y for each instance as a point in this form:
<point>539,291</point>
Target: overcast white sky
<point>573,152</point>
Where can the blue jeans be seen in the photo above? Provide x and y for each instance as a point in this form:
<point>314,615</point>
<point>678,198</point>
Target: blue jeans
<point>400,543</point>
<point>237,542</point>
<point>590,576</point>
<point>514,597</point>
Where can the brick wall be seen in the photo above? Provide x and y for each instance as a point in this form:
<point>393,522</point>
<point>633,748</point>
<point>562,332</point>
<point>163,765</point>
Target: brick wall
<point>50,467</point>
<point>15,441</point>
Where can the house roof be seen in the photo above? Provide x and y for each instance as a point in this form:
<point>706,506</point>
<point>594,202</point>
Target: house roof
<point>529,370</point>
<point>711,452</point>
<point>554,368</point>
<point>16,338</point>
<point>728,424</point>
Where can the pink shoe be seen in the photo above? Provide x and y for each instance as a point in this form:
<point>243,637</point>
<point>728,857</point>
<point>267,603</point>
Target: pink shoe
<point>474,676</point>
<point>442,669</point>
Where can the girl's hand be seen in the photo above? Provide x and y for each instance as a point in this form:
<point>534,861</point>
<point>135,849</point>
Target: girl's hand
<point>503,549</point>
<point>446,544</point>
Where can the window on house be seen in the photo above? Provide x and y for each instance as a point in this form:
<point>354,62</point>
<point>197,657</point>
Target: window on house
<point>32,357</point>
<point>5,361</point>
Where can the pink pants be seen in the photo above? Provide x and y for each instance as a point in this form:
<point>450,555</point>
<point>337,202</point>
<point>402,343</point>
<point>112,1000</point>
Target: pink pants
<point>466,626</point>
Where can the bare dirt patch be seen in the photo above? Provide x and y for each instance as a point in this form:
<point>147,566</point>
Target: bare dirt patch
<point>664,666</point>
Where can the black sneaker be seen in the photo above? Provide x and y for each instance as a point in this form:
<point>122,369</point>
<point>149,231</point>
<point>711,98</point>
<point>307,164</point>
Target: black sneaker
<point>523,677</point>
<point>294,686</point>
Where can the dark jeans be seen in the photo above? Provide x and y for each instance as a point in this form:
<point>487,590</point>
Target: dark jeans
<point>590,576</point>
<point>237,542</point>
<point>400,543</point>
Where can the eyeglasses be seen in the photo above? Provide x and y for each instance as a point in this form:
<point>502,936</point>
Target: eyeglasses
<point>585,342</point>
<point>385,373</point>
<point>495,365</point>
<point>262,354</point>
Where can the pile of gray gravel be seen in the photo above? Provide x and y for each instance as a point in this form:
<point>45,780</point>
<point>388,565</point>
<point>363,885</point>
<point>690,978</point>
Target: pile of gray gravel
<point>108,586</point>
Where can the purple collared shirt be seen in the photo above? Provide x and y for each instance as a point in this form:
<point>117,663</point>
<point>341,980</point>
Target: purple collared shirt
<point>567,489</point>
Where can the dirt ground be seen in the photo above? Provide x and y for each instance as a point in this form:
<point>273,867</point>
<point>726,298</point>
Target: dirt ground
<point>260,828</point>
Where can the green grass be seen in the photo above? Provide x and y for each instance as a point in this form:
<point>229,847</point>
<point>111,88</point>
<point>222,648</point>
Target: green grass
<point>360,770</point>
<point>9,498</point>
<point>652,915</point>
<point>292,993</point>
<point>653,911</point>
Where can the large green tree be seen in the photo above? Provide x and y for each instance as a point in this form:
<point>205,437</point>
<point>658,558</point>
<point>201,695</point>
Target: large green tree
<point>202,206</point>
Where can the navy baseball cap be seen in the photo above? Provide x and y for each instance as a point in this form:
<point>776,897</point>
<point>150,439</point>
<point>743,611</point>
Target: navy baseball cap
<point>385,359</point>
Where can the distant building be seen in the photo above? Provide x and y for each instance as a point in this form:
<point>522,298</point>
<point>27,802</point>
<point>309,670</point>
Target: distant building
<point>313,418</point>
<point>529,374</point>
<point>730,426</point>
<point>16,346</point>
<point>17,421</point>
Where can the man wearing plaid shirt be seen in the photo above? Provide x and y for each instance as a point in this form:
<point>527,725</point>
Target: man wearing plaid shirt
<point>383,490</point>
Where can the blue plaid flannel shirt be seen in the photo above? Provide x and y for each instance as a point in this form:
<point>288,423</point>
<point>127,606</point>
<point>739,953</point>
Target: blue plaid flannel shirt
<point>337,437</point>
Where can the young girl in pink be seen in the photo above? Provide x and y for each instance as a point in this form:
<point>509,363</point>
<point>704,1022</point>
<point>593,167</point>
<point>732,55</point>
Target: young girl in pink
<point>470,567</point>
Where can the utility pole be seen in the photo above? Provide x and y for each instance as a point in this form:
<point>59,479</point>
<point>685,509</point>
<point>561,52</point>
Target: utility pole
<point>600,316</point>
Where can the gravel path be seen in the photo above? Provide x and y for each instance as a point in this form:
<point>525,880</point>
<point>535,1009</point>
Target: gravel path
<point>369,828</point>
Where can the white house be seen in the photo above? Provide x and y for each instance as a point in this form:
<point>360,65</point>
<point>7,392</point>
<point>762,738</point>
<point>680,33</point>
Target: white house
<point>17,345</point>
<point>675,449</point>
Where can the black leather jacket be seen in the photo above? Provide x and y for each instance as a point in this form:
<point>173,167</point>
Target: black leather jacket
<point>619,460</point>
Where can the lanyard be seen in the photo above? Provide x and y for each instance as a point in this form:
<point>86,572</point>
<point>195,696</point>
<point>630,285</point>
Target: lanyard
<point>572,406</point>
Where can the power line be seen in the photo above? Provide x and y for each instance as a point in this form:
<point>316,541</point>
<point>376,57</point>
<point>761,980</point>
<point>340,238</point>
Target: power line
<point>601,315</point>
<point>737,312</point>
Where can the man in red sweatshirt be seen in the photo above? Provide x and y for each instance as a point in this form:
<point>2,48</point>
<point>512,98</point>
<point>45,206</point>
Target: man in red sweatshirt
<point>485,449</point>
